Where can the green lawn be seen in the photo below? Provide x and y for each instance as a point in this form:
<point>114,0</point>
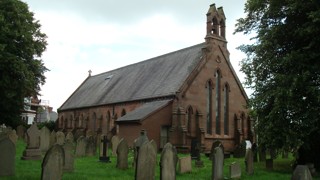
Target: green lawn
<point>90,168</point>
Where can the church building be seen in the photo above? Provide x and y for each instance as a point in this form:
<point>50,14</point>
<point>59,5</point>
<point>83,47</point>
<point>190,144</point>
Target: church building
<point>189,96</point>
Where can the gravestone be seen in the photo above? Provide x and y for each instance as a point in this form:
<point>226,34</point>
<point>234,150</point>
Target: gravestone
<point>114,141</point>
<point>81,146</point>
<point>69,137</point>
<point>146,163</point>
<point>13,136</point>
<point>240,150</point>
<point>301,172</point>
<point>217,163</point>
<point>7,156</point>
<point>249,162</point>
<point>235,170</point>
<point>194,150</point>
<point>21,131</point>
<point>52,164</point>
<point>91,146</point>
<point>213,146</point>
<point>68,148</point>
<point>167,163</point>
<point>60,137</point>
<point>44,139</point>
<point>32,151</point>
<point>103,151</point>
<point>154,145</point>
<point>143,138</point>
<point>53,138</point>
<point>312,169</point>
<point>185,164</point>
<point>122,154</point>
<point>269,164</point>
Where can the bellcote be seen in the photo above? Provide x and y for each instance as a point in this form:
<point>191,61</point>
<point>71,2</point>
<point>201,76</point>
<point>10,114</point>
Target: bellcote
<point>216,23</point>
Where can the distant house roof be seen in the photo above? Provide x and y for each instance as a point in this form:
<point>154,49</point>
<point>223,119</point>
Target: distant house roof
<point>144,111</point>
<point>157,77</point>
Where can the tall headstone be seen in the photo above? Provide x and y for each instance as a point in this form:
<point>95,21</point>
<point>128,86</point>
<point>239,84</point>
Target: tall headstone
<point>91,147</point>
<point>81,146</point>
<point>301,172</point>
<point>146,162</point>
<point>60,137</point>
<point>249,162</point>
<point>167,163</point>
<point>44,139</point>
<point>69,137</point>
<point>68,148</point>
<point>213,146</point>
<point>217,164</point>
<point>21,131</point>
<point>154,145</point>
<point>185,164</point>
<point>53,138</point>
<point>235,170</point>
<point>52,164</point>
<point>115,141</point>
<point>32,151</point>
<point>122,154</point>
<point>7,156</point>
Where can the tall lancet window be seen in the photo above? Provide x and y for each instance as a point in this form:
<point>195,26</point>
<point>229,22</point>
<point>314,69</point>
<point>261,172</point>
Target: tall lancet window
<point>209,107</point>
<point>218,97</point>
<point>226,109</point>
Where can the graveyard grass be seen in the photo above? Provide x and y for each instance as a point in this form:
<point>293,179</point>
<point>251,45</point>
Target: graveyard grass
<point>90,168</point>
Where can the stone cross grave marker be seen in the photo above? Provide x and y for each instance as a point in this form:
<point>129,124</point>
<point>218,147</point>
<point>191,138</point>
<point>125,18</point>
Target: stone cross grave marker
<point>104,145</point>
<point>7,156</point>
<point>81,146</point>
<point>32,151</point>
<point>53,162</point>
<point>146,162</point>
<point>44,139</point>
<point>68,148</point>
<point>143,138</point>
<point>122,154</point>
<point>114,141</point>
<point>249,162</point>
<point>217,163</point>
<point>60,137</point>
<point>235,170</point>
<point>167,163</point>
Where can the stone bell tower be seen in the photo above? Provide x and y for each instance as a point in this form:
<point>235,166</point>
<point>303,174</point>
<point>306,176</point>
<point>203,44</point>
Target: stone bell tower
<point>216,24</point>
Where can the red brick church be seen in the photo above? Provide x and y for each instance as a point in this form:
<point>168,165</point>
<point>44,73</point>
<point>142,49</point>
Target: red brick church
<point>192,94</point>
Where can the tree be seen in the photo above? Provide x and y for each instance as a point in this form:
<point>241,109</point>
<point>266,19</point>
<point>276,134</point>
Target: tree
<point>283,69</point>
<point>21,68</point>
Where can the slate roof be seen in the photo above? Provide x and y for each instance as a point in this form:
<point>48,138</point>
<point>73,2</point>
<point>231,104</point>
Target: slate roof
<point>144,111</point>
<point>157,77</point>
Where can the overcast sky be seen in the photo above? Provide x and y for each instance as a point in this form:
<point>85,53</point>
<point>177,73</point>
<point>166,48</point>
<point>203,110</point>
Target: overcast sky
<point>101,35</point>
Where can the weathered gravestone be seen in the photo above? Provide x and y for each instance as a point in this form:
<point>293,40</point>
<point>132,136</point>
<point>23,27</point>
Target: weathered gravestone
<point>249,162</point>
<point>44,139</point>
<point>13,136</point>
<point>68,148</point>
<point>7,156</point>
<point>60,137</point>
<point>235,170</point>
<point>213,146</point>
<point>52,164</point>
<point>122,154</point>
<point>217,164</point>
<point>69,137</point>
<point>240,150</point>
<point>194,149</point>
<point>143,138</point>
<point>91,147</point>
<point>154,145</point>
<point>32,151</point>
<point>21,131</point>
<point>53,138</point>
<point>168,163</point>
<point>301,172</point>
<point>81,146</point>
<point>185,164</point>
<point>114,142</point>
<point>146,163</point>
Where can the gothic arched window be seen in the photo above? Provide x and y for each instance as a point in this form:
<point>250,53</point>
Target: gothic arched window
<point>209,107</point>
<point>226,109</point>
<point>218,97</point>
